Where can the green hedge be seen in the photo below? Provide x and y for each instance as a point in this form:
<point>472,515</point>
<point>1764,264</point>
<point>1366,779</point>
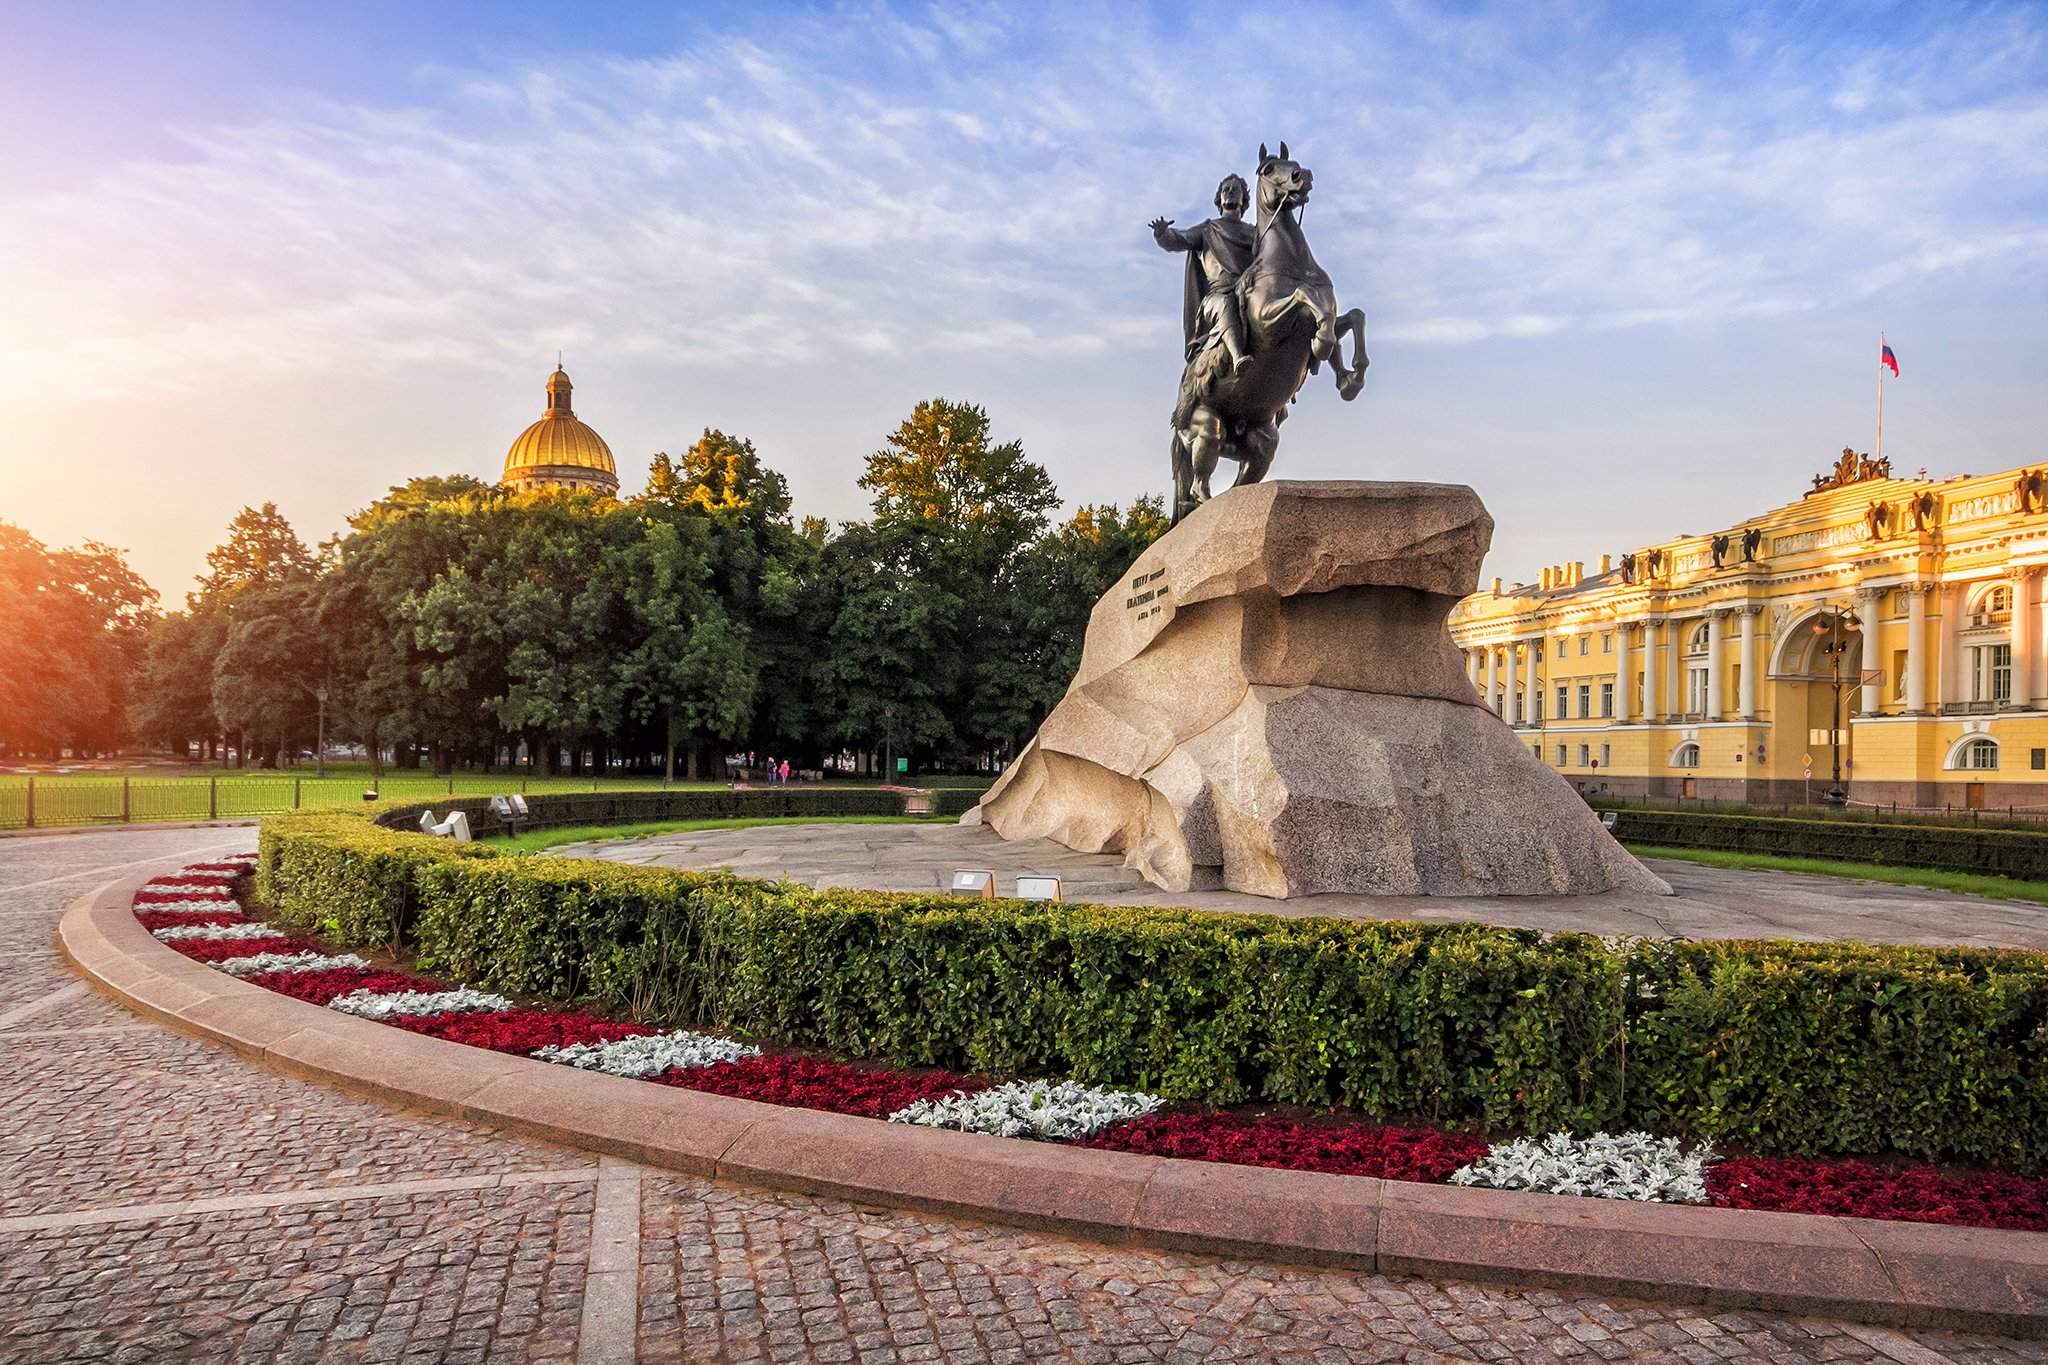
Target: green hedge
<point>1946,848</point>
<point>595,808</point>
<point>956,801</point>
<point>336,874</point>
<point>1774,1047</point>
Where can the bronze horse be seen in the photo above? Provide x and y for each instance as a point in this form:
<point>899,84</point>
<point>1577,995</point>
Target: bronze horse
<point>1292,328</point>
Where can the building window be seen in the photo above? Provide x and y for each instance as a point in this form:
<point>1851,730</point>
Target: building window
<point>1978,755</point>
<point>1606,699</point>
<point>1560,648</point>
<point>1585,755</point>
<point>1696,691</point>
<point>1991,673</point>
<point>1560,755</point>
<point>1607,755</point>
<point>1607,643</point>
<point>1563,705</point>
<point>1993,606</point>
<point>1688,756</point>
<point>1537,749</point>
<point>1535,716</point>
<point>1585,701</point>
<point>1585,645</point>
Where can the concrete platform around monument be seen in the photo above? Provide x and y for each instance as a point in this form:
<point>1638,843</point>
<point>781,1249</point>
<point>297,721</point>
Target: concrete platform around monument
<point>1711,902</point>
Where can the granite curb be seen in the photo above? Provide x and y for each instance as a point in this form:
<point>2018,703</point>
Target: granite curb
<point>1901,1274</point>
<point>132,827</point>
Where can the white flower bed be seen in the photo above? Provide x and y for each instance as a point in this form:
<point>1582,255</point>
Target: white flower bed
<point>287,962</point>
<point>1604,1166</point>
<point>1033,1109</point>
<point>153,894</point>
<point>649,1055</point>
<point>372,1005</point>
<point>175,932</point>
<point>187,907</point>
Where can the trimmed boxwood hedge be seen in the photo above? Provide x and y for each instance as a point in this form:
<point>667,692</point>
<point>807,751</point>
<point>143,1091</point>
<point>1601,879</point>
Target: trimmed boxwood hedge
<point>1774,1047</point>
<point>593,808</point>
<point>1946,848</point>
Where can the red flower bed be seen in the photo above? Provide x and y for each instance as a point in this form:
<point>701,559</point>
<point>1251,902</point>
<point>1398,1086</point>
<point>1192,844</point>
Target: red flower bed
<point>166,919</point>
<point>818,1083</point>
<point>191,878</point>
<point>518,1030</point>
<point>221,949</point>
<point>235,868</point>
<point>320,987</point>
<point>1856,1189</point>
<point>1418,1154</point>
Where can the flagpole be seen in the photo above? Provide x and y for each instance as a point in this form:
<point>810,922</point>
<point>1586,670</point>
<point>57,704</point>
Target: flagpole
<point>1880,396</point>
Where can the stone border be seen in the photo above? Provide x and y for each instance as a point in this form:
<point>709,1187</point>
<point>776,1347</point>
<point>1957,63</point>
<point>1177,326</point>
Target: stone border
<point>1904,1274</point>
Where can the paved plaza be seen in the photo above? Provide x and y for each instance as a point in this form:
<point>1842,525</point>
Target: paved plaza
<point>163,1199</point>
<point>1710,902</point>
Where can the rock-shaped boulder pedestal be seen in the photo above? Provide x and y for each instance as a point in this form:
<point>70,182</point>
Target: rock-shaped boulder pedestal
<point>1269,701</point>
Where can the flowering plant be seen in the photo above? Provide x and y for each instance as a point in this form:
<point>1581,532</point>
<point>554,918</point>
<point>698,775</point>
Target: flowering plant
<point>246,929</point>
<point>521,1031</point>
<point>818,1083</point>
<point>462,1000</point>
<point>1033,1109</point>
<point>649,1054</point>
<point>1369,1149</point>
<point>319,987</point>
<point>304,961</point>
<point>216,950</point>
<point>1606,1166</point>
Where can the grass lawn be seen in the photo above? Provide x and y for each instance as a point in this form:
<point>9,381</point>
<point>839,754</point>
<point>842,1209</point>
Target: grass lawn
<point>541,840</point>
<point>1960,883</point>
<point>194,792</point>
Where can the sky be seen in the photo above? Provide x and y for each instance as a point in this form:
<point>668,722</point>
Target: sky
<point>1625,266</point>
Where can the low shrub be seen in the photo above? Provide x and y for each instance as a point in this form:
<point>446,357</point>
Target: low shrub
<point>1944,848</point>
<point>336,874</point>
<point>1773,1047</point>
<point>955,801</point>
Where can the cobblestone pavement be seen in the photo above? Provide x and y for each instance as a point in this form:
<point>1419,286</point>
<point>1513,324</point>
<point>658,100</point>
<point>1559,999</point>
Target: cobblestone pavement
<point>162,1199</point>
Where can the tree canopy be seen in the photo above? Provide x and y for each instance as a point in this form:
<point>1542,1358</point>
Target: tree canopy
<point>458,622</point>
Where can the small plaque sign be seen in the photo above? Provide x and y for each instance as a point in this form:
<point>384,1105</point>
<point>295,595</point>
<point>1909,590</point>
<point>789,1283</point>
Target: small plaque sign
<point>1038,888</point>
<point>977,883</point>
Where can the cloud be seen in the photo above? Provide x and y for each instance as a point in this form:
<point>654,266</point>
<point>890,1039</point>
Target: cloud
<point>903,185</point>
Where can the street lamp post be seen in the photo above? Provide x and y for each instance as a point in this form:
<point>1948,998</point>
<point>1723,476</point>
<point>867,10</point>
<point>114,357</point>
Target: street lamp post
<point>1830,627</point>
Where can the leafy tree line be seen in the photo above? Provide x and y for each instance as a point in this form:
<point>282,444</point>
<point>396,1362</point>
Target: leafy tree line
<point>456,623</point>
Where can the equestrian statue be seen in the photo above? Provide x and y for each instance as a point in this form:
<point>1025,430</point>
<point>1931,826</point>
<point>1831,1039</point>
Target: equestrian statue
<point>1259,317</point>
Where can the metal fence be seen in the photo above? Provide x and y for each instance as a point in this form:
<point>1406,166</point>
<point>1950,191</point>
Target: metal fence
<point>38,803</point>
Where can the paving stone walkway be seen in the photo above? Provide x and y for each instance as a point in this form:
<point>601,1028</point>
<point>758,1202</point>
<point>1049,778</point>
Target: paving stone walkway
<point>162,1199</point>
<point>1708,902</point>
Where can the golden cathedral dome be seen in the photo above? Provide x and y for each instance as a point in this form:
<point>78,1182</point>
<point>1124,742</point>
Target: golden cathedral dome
<point>559,451</point>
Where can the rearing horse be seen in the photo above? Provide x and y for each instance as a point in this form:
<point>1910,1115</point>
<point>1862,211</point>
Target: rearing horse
<point>1292,328</point>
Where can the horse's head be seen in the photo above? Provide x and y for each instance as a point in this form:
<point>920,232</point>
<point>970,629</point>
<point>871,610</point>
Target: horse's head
<point>1283,183</point>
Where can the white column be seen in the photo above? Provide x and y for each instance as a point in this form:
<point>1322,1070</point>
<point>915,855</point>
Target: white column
<point>1652,707</point>
<point>1916,648</point>
<point>1674,686</point>
<point>1745,686</point>
<point>1472,668</point>
<point>1624,676</point>
<point>1715,618</point>
<point>1954,681</point>
<point>1870,606</point>
<point>1493,679</point>
<point>1514,703</point>
<point>2023,636</point>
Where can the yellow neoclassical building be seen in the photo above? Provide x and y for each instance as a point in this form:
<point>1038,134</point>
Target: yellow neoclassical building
<point>1712,665</point>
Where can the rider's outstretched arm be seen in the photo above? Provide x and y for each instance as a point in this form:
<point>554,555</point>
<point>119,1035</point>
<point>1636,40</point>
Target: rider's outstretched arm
<point>1173,239</point>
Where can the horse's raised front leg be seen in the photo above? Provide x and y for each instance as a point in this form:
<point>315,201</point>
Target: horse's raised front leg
<point>1350,379</point>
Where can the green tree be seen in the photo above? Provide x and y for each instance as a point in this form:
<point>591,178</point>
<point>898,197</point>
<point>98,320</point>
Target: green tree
<point>76,625</point>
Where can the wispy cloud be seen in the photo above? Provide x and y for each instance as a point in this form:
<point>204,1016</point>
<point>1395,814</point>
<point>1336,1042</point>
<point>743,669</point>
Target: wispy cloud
<point>893,184</point>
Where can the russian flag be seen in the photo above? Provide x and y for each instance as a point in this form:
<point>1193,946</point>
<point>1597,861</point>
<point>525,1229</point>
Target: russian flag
<point>1886,359</point>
